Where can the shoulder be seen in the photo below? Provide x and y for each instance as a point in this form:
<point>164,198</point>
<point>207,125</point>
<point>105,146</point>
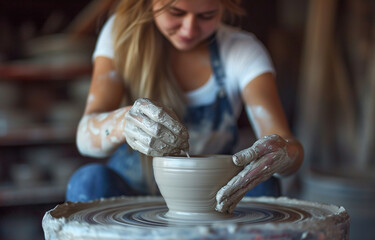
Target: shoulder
<point>232,36</point>
<point>243,55</point>
<point>237,42</point>
<point>108,26</point>
<point>109,22</point>
<point>104,45</point>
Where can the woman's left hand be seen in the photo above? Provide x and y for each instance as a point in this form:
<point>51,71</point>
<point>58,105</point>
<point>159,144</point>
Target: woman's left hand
<point>266,157</point>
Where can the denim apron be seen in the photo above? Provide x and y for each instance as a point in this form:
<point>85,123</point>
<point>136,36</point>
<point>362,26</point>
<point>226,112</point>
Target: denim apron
<point>212,130</point>
<point>212,127</point>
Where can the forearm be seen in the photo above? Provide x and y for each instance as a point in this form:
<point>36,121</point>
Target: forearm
<point>100,134</point>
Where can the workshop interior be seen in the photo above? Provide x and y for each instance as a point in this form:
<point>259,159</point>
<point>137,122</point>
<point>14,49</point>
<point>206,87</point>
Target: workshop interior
<point>323,52</point>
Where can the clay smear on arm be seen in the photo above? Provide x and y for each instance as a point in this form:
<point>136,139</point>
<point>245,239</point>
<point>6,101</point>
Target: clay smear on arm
<point>99,134</point>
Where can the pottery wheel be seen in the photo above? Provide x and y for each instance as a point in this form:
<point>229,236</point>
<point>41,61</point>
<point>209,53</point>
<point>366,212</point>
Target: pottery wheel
<point>144,218</point>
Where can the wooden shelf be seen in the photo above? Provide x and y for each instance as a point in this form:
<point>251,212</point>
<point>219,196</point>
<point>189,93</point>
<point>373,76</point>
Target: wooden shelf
<point>38,135</point>
<point>35,72</point>
<point>14,195</point>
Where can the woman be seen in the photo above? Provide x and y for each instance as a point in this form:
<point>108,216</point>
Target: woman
<point>170,78</point>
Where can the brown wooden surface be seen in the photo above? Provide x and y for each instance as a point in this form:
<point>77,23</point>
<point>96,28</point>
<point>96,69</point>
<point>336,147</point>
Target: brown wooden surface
<point>30,72</point>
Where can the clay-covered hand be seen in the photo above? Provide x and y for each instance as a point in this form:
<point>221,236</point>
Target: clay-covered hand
<point>266,157</point>
<point>154,130</point>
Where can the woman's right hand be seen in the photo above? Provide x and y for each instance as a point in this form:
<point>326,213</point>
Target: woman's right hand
<point>154,130</point>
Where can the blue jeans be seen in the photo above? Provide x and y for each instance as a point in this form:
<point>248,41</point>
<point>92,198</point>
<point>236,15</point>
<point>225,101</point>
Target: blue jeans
<point>269,188</point>
<point>95,181</point>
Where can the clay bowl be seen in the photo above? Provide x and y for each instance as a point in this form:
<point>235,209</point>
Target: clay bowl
<point>189,185</point>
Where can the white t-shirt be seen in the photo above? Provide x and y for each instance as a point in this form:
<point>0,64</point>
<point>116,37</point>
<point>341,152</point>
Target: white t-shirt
<point>242,55</point>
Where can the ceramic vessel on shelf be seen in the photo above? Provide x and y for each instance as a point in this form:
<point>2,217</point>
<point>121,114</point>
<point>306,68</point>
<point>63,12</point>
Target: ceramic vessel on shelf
<point>189,185</point>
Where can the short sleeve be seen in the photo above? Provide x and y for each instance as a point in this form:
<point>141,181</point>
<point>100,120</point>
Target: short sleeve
<point>104,45</point>
<point>247,58</point>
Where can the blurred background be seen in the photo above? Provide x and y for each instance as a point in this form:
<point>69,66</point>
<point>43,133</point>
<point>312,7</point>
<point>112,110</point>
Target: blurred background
<point>324,54</point>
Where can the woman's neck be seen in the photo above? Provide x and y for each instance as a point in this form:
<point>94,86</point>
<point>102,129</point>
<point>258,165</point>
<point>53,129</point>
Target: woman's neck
<point>191,68</point>
<point>200,48</point>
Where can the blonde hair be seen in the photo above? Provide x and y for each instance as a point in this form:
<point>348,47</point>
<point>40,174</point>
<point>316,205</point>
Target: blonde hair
<point>140,53</point>
<point>141,59</point>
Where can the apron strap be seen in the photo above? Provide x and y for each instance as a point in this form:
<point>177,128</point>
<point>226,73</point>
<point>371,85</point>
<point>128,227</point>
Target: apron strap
<point>216,64</point>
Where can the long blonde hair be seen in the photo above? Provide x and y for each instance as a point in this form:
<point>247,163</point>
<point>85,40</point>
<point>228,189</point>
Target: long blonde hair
<point>141,56</point>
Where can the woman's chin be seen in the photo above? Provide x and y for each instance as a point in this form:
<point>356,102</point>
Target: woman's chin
<point>184,45</point>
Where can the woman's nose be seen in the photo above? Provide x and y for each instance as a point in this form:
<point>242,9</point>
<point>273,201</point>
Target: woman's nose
<point>189,26</point>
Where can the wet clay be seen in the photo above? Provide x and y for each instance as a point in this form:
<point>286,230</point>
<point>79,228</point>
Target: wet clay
<point>189,185</point>
<point>266,157</point>
<point>154,130</point>
<point>146,218</point>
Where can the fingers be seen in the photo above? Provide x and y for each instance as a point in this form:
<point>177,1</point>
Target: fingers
<point>145,149</point>
<point>267,156</point>
<point>230,195</point>
<point>269,144</point>
<point>227,205</point>
<point>146,144</point>
<point>161,115</point>
<point>152,131</point>
<point>245,156</point>
<point>260,148</point>
<point>253,174</point>
<point>149,127</point>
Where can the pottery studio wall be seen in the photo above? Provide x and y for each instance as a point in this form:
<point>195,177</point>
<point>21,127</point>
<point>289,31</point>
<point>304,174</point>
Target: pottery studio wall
<point>43,85</point>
